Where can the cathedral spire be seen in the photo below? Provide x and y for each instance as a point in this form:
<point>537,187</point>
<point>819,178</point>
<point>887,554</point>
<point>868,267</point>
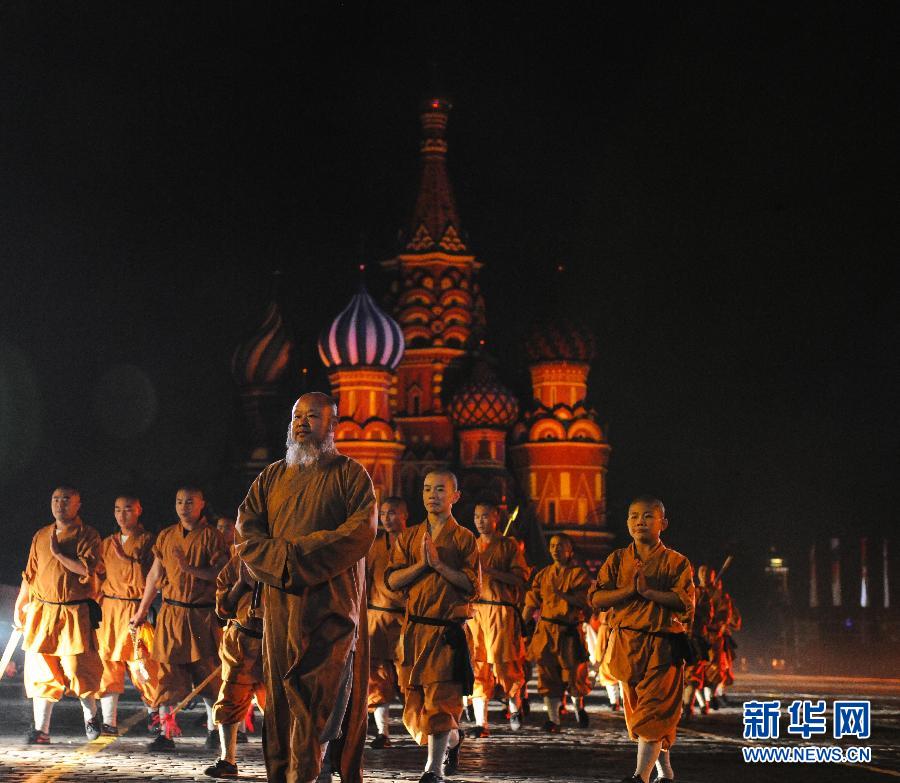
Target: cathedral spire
<point>435,225</point>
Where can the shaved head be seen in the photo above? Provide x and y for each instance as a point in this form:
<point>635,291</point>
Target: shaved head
<point>320,399</point>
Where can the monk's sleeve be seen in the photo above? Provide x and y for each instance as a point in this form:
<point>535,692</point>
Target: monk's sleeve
<point>31,566</point>
<point>471,566</point>
<point>581,583</point>
<point>533,596</point>
<point>224,582</point>
<point>324,554</point>
<point>683,587</point>
<point>398,559</point>
<point>518,566</point>
<point>146,555</point>
<point>87,552</point>
<point>607,577</point>
<point>264,555</point>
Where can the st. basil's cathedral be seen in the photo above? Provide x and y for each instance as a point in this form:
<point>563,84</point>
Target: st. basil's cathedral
<point>416,392</point>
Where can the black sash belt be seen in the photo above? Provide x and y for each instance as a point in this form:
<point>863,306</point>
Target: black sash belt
<point>384,609</point>
<point>94,610</point>
<point>572,631</point>
<point>680,644</point>
<point>249,631</point>
<point>173,602</point>
<point>121,598</point>
<point>455,636</point>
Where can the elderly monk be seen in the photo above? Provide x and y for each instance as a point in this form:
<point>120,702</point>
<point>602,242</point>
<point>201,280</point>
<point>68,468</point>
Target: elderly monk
<point>386,609</point>
<point>436,564</point>
<point>126,557</point>
<point>187,557</point>
<point>650,590</point>
<point>58,615</point>
<point>498,650</point>
<point>237,601</point>
<point>304,530</point>
<point>557,645</point>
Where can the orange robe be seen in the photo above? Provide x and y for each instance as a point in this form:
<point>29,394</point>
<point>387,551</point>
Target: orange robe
<point>638,653</point>
<point>240,651</point>
<point>385,609</point>
<point>305,532</point>
<point>718,669</point>
<point>120,593</point>
<point>432,697</point>
<point>604,676</point>
<point>498,651</point>
<point>186,640</point>
<point>557,646</point>
<point>59,640</point>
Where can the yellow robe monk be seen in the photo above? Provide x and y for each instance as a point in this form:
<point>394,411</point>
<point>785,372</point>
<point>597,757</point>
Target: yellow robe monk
<point>432,697</point>
<point>718,669</point>
<point>498,651</point>
<point>305,532</point>
<point>385,609</point>
<point>121,590</point>
<point>557,646</point>
<point>186,640</point>
<point>639,654</point>
<point>59,639</point>
<point>240,651</point>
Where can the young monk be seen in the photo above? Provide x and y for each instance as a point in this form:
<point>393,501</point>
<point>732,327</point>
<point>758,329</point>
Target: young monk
<point>241,654</point>
<point>436,565</point>
<point>58,615</point>
<point>126,557</point>
<point>498,650</point>
<point>386,609</point>
<point>557,645</point>
<point>187,557</point>
<point>650,590</point>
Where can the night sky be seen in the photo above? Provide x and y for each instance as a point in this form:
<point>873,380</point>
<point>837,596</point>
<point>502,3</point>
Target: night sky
<point>720,186</point>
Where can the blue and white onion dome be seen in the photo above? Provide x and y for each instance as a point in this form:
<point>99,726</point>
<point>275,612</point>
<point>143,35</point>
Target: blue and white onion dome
<point>362,336</point>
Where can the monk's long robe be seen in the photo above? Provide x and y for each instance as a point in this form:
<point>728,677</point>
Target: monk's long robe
<point>385,609</point>
<point>557,646</point>
<point>718,669</point>
<point>305,532</point>
<point>58,638</point>
<point>498,651</point>
<point>121,590</point>
<point>638,653</point>
<point>432,697</point>
<point>240,651</point>
<point>186,640</point>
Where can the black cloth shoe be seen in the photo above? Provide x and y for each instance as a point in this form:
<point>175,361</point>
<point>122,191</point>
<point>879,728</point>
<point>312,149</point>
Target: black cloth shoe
<point>37,737</point>
<point>525,708</point>
<point>430,777</point>
<point>109,731</point>
<point>222,769</point>
<point>478,732</point>
<point>212,739</point>
<point>451,761</point>
<point>152,728</point>
<point>714,702</point>
<point>582,717</point>
<point>380,741</point>
<point>635,778</point>
<point>92,729</point>
<point>162,742</point>
<point>242,737</point>
<point>550,727</point>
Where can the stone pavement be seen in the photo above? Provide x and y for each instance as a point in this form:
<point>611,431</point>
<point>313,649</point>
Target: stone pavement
<point>708,748</point>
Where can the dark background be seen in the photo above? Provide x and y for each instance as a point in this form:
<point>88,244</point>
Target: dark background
<point>719,184</point>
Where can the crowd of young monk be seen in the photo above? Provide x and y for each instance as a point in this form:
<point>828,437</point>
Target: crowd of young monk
<point>310,608</point>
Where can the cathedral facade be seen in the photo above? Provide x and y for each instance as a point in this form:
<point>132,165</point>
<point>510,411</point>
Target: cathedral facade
<point>415,391</point>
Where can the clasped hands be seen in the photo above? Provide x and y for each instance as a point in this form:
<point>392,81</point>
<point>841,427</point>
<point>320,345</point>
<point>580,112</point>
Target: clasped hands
<point>429,554</point>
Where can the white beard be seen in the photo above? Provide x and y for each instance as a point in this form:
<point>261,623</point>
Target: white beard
<point>308,452</point>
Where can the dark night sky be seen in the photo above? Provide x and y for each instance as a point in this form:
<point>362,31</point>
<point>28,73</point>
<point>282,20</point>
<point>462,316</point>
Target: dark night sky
<point>720,184</point>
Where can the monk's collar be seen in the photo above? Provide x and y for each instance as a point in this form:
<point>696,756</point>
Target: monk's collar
<point>73,525</point>
<point>201,523</point>
<point>659,548</point>
<point>449,524</point>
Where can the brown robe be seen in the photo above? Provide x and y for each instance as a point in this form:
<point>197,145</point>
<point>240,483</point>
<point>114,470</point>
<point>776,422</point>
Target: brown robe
<point>638,654</point>
<point>305,532</point>
<point>433,699</point>
<point>385,609</point>
<point>59,640</point>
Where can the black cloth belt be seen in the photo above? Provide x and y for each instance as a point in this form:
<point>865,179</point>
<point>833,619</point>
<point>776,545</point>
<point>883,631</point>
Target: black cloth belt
<point>557,621</point>
<point>173,602</point>
<point>455,636</point>
<point>384,609</point>
<point>121,598</point>
<point>679,643</point>
<point>94,610</point>
<point>249,631</point>
<point>572,631</point>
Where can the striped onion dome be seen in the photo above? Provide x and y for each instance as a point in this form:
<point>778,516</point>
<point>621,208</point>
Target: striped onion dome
<point>263,358</point>
<point>560,339</point>
<point>362,336</point>
<point>483,402</point>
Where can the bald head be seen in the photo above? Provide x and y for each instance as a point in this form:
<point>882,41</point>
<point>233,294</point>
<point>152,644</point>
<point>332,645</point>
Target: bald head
<point>311,432</point>
<point>319,400</point>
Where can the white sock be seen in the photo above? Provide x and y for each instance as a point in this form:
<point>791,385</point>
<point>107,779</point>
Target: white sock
<point>452,738</point>
<point>664,766</point>
<point>43,709</point>
<point>480,708</point>
<point>720,689</point>
<point>228,739</point>
<point>88,707</point>
<point>109,705</point>
<point>577,703</point>
<point>514,705</point>
<point>210,723</point>
<point>698,695</point>
<point>647,754</point>
<point>612,693</point>
<point>382,714</point>
<point>552,706</point>
<point>437,749</point>
<point>707,693</point>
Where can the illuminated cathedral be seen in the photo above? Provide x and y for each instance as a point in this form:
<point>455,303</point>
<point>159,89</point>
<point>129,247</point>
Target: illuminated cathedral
<point>415,390</point>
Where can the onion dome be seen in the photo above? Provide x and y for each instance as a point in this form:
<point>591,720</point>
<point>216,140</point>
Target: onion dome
<point>483,402</point>
<point>263,358</point>
<point>561,339</point>
<point>362,336</point>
